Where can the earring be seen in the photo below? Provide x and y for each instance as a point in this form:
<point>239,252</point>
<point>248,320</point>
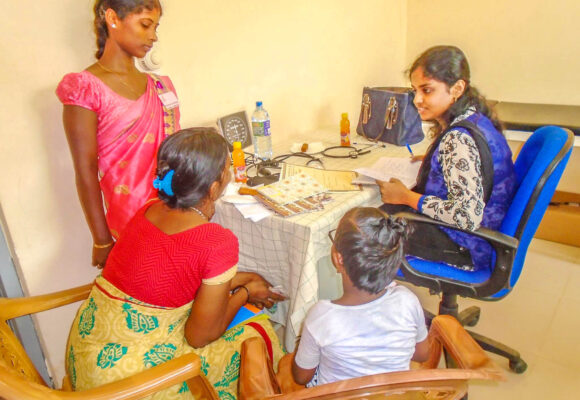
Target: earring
<point>113,26</point>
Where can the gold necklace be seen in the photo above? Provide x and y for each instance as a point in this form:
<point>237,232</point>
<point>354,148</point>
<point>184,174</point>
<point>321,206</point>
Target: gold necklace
<point>200,213</point>
<point>119,74</point>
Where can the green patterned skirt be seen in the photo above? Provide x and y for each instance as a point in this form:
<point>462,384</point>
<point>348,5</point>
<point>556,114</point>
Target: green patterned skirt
<point>115,336</point>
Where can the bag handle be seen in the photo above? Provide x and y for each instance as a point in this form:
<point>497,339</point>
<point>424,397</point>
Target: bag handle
<point>391,116</point>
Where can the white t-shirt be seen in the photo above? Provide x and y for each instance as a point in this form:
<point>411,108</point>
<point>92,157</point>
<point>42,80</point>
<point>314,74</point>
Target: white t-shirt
<point>372,338</point>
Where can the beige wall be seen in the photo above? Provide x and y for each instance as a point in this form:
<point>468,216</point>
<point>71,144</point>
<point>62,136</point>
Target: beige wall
<point>519,50</point>
<point>313,61</point>
<point>307,60</point>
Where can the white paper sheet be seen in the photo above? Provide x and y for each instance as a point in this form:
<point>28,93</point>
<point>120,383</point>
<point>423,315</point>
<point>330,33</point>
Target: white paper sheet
<point>255,212</point>
<point>390,167</point>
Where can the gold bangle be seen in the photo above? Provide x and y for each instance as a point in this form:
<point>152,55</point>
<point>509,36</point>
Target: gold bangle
<point>237,289</point>
<point>103,246</point>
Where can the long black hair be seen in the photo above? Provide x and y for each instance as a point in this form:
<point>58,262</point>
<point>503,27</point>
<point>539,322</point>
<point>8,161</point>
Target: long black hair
<point>122,8</point>
<point>448,64</point>
<point>372,246</point>
<point>198,157</point>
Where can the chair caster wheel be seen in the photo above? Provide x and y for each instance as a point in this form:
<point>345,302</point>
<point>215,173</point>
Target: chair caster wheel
<point>473,322</point>
<point>518,366</point>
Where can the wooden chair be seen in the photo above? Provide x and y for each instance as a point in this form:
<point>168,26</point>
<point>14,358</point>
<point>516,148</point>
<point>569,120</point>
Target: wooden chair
<point>258,380</point>
<point>20,380</point>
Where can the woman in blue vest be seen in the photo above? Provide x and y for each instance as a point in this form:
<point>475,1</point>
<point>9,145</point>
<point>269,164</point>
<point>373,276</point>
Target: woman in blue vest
<point>467,177</point>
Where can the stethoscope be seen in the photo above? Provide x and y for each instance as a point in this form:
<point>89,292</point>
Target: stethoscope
<point>349,152</point>
<point>352,152</point>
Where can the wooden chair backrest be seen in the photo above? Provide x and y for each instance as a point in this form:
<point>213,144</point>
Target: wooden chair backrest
<point>12,353</point>
<point>20,380</point>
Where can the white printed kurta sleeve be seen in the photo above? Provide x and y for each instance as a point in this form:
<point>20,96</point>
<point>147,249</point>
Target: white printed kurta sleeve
<point>461,164</point>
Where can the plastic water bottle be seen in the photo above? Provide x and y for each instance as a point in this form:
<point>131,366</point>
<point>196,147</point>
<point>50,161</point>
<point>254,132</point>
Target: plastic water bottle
<point>261,131</point>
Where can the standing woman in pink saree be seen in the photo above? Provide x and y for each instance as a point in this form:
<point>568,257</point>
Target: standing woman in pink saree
<point>115,117</point>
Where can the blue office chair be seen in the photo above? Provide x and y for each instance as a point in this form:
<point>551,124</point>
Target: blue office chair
<point>538,167</point>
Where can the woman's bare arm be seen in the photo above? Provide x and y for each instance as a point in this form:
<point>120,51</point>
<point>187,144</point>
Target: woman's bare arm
<point>214,308</point>
<point>211,313</point>
<point>80,126</point>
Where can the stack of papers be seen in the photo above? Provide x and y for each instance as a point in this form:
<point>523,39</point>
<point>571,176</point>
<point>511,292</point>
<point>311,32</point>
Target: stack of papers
<point>389,167</point>
<point>248,206</point>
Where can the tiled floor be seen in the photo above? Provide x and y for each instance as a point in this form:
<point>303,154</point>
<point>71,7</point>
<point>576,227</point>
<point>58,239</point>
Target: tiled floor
<point>541,319</point>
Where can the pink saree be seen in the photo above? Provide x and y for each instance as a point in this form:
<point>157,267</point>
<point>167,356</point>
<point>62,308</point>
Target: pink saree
<point>129,133</point>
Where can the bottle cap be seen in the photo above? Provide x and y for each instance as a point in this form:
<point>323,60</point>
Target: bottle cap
<point>237,145</point>
<point>344,115</point>
<point>258,104</point>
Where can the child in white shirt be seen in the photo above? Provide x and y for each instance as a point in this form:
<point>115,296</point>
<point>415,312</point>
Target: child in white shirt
<point>376,326</point>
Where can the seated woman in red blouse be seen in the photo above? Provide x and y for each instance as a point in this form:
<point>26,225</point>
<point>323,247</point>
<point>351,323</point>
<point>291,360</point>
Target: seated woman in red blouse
<point>171,285</point>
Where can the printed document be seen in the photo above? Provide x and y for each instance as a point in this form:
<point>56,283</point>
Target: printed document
<point>334,181</point>
<point>389,167</point>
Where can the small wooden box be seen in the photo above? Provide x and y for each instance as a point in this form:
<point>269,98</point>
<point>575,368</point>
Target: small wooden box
<point>561,223</point>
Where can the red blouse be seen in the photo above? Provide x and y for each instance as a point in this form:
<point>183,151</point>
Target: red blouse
<point>167,270</point>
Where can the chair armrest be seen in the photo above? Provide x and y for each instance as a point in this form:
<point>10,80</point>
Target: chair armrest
<point>17,307</point>
<point>447,333</point>
<point>184,368</point>
<point>284,375</point>
<point>257,379</point>
<point>497,239</point>
<point>505,247</point>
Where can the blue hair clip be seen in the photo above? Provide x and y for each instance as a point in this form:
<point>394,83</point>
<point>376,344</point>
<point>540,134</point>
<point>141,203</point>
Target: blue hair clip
<point>165,183</point>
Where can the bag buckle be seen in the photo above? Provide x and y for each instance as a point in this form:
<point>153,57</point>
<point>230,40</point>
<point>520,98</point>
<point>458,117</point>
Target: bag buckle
<point>392,113</point>
<point>366,108</point>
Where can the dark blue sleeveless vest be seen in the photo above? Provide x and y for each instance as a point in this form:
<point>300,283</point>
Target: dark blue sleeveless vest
<point>503,189</point>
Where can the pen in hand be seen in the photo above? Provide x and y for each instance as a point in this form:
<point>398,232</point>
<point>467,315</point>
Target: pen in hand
<point>410,151</point>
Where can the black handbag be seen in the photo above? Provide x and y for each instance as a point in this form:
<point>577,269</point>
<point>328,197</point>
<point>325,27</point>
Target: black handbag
<point>388,115</point>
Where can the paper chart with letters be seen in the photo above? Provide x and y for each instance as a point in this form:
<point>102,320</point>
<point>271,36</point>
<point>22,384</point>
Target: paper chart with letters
<point>294,195</point>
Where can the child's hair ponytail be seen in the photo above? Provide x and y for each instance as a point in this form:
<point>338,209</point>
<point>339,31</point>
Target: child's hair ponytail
<point>393,233</point>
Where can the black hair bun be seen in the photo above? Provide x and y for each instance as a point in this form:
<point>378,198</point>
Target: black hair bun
<point>400,226</point>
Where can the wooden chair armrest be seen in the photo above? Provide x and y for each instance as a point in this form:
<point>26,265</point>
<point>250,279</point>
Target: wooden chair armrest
<point>17,307</point>
<point>285,377</point>
<point>184,368</point>
<point>446,332</point>
<point>257,379</point>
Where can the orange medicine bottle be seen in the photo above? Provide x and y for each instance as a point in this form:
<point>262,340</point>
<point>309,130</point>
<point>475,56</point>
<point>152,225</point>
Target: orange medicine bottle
<point>344,130</point>
<point>239,163</point>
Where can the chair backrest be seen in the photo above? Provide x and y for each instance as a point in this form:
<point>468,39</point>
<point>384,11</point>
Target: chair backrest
<point>19,379</point>
<point>539,167</point>
<point>13,355</point>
